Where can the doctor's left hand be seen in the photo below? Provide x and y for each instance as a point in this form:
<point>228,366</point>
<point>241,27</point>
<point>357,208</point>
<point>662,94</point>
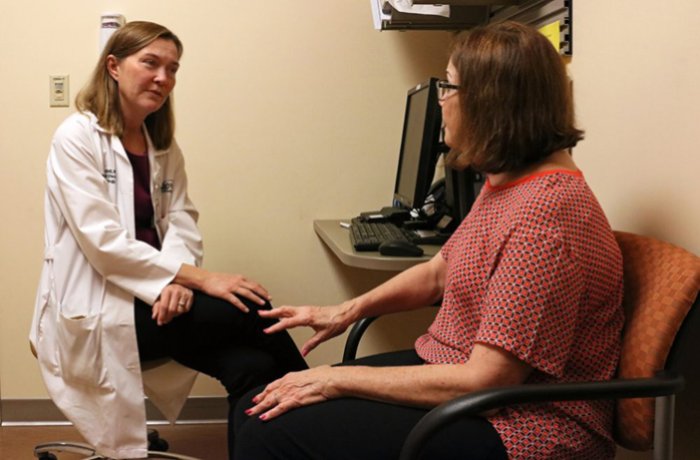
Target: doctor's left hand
<point>174,300</point>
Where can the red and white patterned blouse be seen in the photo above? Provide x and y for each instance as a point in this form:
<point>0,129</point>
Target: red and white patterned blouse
<point>535,270</point>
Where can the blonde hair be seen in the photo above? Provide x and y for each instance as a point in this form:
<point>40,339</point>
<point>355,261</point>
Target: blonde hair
<point>101,94</point>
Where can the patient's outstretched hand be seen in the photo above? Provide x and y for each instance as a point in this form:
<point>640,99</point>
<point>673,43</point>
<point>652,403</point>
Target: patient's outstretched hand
<point>328,322</point>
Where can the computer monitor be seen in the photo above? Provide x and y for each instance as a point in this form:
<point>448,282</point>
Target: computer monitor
<point>420,146</point>
<point>461,189</point>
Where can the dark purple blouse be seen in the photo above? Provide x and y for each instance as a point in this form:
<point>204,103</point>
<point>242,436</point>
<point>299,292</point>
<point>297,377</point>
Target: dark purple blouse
<point>143,206</point>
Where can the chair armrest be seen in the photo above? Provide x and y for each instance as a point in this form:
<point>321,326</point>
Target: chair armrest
<point>356,333</point>
<point>663,384</point>
<point>354,337</point>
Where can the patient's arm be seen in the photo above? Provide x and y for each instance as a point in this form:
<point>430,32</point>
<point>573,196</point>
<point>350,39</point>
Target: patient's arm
<point>422,386</point>
<point>416,287</point>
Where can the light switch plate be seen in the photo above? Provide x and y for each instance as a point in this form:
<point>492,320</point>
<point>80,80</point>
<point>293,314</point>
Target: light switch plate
<point>59,91</point>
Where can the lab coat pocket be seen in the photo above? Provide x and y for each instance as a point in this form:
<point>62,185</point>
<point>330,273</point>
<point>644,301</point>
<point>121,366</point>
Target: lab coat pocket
<point>80,350</point>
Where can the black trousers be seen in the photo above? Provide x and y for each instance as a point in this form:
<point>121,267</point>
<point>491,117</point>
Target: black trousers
<point>218,339</point>
<point>358,429</point>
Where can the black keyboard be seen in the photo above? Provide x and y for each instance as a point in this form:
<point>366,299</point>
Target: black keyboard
<point>367,236</point>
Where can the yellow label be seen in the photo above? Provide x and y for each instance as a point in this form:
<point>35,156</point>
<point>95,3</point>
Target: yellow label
<point>551,31</point>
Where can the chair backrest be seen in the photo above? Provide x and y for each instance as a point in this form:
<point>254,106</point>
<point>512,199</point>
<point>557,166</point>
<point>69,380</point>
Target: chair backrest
<point>661,285</point>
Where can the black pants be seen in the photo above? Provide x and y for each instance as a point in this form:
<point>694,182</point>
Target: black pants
<point>218,339</point>
<point>358,429</point>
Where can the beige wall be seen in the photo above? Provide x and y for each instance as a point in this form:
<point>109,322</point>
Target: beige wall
<point>636,75</point>
<point>287,114</point>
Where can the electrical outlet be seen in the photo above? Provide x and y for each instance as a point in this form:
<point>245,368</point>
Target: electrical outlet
<point>58,91</point>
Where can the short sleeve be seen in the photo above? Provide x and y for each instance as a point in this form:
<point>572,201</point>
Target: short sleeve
<point>531,303</point>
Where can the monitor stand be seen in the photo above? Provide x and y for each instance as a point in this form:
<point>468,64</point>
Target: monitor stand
<point>387,213</point>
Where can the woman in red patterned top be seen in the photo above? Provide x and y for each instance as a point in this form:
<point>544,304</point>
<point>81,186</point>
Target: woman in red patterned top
<point>531,287</point>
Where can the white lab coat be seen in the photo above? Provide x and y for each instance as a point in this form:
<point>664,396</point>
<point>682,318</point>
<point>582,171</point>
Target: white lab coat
<point>83,327</point>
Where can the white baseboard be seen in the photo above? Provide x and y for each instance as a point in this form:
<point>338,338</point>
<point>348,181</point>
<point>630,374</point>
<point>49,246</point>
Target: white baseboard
<point>44,412</point>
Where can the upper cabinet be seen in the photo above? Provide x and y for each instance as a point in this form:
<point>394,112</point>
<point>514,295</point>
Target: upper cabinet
<point>552,17</point>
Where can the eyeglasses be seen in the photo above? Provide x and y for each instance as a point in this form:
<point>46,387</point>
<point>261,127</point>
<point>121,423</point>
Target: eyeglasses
<point>446,89</point>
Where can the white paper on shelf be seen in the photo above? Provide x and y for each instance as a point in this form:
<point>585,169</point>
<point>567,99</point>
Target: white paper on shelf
<point>109,23</point>
<point>377,15</point>
<point>407,6</point>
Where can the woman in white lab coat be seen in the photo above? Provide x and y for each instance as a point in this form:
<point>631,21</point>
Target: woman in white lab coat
<point>121,281</point>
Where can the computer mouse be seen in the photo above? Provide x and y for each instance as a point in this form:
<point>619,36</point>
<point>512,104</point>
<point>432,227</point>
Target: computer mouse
<point>400,248</point>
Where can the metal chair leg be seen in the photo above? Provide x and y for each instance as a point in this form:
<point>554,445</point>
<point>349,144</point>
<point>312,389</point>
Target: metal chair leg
<point>663,427</point>
<point>152,454</point>
<point>45,450</point>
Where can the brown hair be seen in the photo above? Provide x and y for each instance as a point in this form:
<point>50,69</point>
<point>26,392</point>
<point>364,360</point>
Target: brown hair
<point>101,95</point>
<point>515,98</point>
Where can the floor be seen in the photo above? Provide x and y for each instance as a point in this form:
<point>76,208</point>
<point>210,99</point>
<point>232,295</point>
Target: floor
<point>203,441</point>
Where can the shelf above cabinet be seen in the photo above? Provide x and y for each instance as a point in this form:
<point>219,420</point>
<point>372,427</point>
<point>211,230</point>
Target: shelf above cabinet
<point>460,18</point>
<point>550,16</point>
<point>468,2</point>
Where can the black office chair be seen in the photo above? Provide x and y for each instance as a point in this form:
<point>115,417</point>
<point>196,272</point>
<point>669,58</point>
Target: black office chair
<point>661,305</point>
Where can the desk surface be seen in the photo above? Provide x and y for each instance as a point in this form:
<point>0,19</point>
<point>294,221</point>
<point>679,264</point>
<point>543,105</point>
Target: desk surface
<point>338,240</point>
